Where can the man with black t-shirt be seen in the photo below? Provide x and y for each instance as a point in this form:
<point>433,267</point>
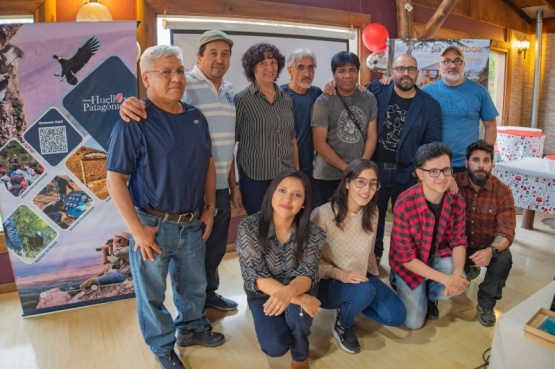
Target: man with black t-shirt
<point>407,119</point>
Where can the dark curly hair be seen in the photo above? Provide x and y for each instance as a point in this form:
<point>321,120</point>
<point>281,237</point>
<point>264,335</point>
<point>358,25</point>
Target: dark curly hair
<point>255,54</point>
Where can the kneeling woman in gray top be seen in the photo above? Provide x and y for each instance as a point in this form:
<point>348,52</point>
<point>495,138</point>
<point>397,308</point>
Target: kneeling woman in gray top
<point>279,250</point>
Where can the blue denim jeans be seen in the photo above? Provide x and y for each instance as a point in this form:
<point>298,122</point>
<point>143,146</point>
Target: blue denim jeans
<point>416,301</point>
<point>390,189</point>
<point>111,277</point>
<point>183,257</point>
<point>217,242</point>
<point>278,334</point>
<point>373,299</point>
<point>252,192</point>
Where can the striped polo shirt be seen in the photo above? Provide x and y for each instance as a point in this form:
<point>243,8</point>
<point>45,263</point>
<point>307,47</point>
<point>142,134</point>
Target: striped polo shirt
<point>265,132</point>
<point>219,110</point>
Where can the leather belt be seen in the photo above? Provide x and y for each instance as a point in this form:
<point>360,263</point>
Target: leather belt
<point>389,165</point>
<point>179,218</point>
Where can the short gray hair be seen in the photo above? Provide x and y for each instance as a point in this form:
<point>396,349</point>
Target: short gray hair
<point>157,52</point>
<point>298,54</point>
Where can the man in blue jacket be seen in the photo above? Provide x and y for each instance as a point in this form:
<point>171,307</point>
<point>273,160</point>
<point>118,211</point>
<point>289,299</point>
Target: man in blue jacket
<point>407,119</point>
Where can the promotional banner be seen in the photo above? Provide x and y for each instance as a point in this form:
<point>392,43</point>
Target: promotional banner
<point>427,53</point>
<point>61,87</point>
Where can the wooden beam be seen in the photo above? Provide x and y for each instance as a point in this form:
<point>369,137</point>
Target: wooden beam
<point>404,19</point>
<point>438,18</point>
<point>258,9</point>
<point>518,11</point>
<point>550,4</point>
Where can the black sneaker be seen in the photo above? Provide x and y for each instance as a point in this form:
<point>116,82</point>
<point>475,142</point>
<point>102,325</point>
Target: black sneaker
<point>487,316</point>
<point>170,361</point>
<point>206,338</point>
<point>346,338</point>
<point>433,311</point>
<point>473,272</point>
<point>219,302</point>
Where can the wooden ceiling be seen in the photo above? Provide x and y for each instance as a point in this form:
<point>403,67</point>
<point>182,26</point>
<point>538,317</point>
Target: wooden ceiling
<point>183,7</point>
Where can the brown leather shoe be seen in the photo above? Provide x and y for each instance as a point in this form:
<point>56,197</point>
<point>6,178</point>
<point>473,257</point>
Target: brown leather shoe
<point>299,364</point>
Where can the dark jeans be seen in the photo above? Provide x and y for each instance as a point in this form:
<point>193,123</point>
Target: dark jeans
<point>217,242</point>
<point>252,192</point>
<point>373,299</point>
<point>390,189</point>
<point>278,334</point>
<point>323,190</point>
<point>497,272</point>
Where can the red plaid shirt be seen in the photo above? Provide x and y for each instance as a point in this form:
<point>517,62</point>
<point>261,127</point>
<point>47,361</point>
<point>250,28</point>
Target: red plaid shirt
<point>490,212</point>
<point>413,229</point>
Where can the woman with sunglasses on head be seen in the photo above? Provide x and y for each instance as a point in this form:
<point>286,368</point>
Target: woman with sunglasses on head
<point>279,250</point>
<point>348,267</point>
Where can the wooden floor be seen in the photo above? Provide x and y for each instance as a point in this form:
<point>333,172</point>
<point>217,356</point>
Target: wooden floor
<point>108,337</point>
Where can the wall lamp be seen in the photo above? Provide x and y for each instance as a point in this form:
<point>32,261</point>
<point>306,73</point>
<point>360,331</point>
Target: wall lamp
<point>523,46</point>
<point>93,11</point>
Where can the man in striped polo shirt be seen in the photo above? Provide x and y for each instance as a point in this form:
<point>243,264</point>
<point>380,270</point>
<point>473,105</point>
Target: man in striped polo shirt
<point>213,96</point>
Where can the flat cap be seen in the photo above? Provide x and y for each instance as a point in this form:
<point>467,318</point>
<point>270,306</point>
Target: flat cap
<point>213,35</point>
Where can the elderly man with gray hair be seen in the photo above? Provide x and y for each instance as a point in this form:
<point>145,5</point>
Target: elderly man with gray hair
<point>160,174</point>
<point>301,66</point>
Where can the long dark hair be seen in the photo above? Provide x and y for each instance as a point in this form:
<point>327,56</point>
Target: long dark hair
<point>339,199</point>
<point>302,218</point>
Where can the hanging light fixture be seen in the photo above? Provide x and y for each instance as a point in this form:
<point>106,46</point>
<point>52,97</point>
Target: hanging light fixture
<point>93,12</point>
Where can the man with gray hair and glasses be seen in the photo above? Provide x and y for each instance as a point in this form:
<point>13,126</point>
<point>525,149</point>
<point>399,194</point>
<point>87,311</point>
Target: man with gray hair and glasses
<point>407,119</point>
<point>463,104</point>
<point>160,173</point>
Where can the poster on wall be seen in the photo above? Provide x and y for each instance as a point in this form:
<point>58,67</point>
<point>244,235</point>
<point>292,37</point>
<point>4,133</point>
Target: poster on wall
<point>61,87</point>
<point>428,51</point>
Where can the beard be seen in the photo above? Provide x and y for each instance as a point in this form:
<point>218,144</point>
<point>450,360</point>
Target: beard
<point>405,85</point>
<point>479,181</point>
<point>452,77</point>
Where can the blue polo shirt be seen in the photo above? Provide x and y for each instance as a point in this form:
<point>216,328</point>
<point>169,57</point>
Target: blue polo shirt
<point>166,157</point>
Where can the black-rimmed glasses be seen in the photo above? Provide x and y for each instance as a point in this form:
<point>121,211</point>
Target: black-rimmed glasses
<point>449,62</point>
<point>434,172</point>
<point>402,69</point>
<point>361,182</point>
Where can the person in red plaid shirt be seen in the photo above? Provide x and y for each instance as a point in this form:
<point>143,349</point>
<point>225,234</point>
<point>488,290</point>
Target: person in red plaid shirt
<point>490,226</point>
<point>428,241</point>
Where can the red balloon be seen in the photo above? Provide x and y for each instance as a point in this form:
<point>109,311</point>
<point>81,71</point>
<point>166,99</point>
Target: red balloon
<point>374,36</point>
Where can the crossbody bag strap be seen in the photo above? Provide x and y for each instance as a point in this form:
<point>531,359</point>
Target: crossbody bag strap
<point>351,115</point>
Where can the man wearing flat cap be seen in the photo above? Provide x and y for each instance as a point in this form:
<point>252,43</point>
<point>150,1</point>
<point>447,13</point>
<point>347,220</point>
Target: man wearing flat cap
<point>463,104</point>
<point>213,96</point>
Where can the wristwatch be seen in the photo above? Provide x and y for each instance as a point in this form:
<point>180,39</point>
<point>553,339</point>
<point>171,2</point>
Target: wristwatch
<point>211,207</point>
<point>494,250</point>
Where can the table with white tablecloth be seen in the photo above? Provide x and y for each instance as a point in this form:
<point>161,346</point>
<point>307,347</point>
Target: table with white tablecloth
<point>510,348</point>
<point>532,184</point>
<point>517,144</point>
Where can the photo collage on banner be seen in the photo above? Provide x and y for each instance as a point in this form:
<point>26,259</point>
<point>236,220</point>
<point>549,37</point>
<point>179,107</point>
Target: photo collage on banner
<point>61,87</point>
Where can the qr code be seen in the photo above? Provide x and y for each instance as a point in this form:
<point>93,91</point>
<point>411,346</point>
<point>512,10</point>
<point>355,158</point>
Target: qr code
<point>53,140</point>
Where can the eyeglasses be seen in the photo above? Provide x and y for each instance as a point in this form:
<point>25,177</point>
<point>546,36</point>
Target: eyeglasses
<point>302,68</point>
<point>167,73</point>
<point>449,62</point>
<point>434,173</point>
<point>411,70</point>
<point>362,182</point>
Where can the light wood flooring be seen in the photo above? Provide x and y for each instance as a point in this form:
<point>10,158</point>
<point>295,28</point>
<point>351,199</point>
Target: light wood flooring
<point>108,337</point>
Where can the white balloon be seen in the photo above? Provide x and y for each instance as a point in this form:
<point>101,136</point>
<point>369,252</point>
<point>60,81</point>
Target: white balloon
<point>93,12</point>
<point>377,61</point>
